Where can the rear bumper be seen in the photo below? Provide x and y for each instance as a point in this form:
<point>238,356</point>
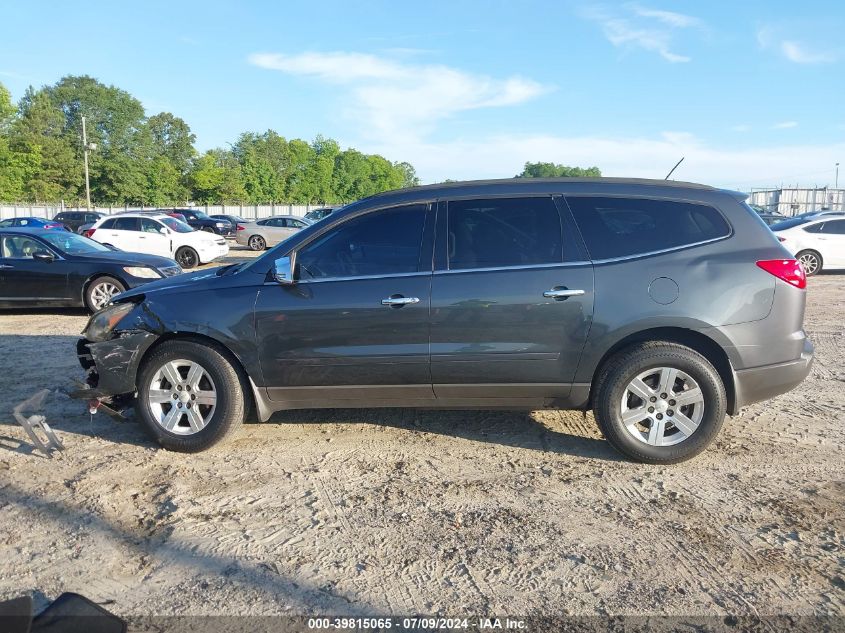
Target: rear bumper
<point>761,383</point>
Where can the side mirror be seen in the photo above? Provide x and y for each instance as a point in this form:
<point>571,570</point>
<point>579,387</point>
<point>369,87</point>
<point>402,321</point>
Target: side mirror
<point>43,256</point>
<point>283,270</point>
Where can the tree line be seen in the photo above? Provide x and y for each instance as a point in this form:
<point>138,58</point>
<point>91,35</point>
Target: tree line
<point>153,161</point>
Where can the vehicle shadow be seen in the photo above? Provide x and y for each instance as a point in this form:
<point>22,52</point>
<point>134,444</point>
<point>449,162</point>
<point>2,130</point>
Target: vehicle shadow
<point>565,434</point>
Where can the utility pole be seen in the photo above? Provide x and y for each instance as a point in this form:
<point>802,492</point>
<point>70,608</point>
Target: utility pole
<point>836,181</point>
<point>85,153</point>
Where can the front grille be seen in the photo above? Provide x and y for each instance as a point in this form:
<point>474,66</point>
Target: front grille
<point>170,271</point>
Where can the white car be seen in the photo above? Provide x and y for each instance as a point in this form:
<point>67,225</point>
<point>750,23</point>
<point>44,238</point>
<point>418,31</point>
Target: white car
<point>819,243</point>
<point>269,231</point>
<point>158,234</point>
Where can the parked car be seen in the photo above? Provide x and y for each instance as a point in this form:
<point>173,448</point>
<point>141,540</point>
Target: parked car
<point>57,268</point>
<point>178,216</point>
<point>315,215</point>
<point>817,242</point>
<point>269,231</point>
<point>660,305</point>
<point>200,221</point>
<point>234,220</point>
<point>772,218</point>
<point>32,223</point>
<point>159,234</point>
<point>73,220</point>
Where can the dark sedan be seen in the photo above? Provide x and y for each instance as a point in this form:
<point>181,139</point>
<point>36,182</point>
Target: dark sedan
<point>201,222</point>
<point>32,223</point>
<point>233,219</point>
<point>42,268</point>
<point>74,220</point>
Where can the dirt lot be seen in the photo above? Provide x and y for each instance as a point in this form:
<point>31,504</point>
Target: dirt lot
<point>403,512</point>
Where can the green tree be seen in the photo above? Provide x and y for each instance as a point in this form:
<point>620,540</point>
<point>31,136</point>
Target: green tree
<point>172,138</point>
<point>39,129</point>
<point>216,178</point>
<point>553,170</point>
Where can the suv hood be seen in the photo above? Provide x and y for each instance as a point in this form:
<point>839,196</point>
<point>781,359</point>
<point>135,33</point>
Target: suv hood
<point>192,281</point>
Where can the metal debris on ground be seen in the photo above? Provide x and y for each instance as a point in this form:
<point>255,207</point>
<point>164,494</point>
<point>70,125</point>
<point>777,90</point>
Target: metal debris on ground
<point>35,422</point>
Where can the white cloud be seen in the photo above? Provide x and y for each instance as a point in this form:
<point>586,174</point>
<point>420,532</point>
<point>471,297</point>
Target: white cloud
<point>785,125</point>
<point>770,38</point>
<point>678,20</point>
<point>390,99</point>
<point>641,27</point>
<point>504,155</point>
<point>796,52</point>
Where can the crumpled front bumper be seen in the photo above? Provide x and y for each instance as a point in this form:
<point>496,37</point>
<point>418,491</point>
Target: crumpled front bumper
<point>112,365</point>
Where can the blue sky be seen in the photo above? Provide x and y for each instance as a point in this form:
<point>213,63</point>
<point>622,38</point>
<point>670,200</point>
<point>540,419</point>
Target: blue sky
<point>752,93</point>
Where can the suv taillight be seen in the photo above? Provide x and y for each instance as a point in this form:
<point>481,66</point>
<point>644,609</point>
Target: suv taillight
<point>781,239</point>
<point>790,270</point>
<point>89,232</point>
<point>241,227</point>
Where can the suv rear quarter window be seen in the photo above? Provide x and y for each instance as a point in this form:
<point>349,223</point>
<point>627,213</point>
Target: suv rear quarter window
<point>622,227</point>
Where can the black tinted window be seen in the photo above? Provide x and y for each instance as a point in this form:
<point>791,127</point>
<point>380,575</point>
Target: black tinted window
<point>107,224</point>
<point>837,227</point>
<point>618,227</point>
<point>814,228</point>
<point>380,243</point>
<point>497,232</point>
<point>125,224</point>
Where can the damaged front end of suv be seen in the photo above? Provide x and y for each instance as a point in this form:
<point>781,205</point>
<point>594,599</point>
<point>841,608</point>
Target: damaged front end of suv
<point>111,348</point>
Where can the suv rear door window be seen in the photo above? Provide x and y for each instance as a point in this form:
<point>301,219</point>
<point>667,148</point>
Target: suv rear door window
<point>502,232</point>
<point>835,227</point>
<point>126,224</point>
<point>385,242</point>
<point>621,227</point>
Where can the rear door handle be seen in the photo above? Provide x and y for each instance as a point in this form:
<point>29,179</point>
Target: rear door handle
<point>562,293</point>
<point>397,301</point>
<point>6,266</point>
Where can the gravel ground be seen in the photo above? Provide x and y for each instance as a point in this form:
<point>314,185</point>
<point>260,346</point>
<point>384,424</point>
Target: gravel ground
<point>400,512</point>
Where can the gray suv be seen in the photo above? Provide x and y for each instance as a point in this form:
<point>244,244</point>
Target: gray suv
<point>661,306</point>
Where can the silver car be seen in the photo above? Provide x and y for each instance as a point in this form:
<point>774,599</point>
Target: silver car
<point>268,232</point>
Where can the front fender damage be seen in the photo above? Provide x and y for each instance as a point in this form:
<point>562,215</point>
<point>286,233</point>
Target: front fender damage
<point>111,366</point>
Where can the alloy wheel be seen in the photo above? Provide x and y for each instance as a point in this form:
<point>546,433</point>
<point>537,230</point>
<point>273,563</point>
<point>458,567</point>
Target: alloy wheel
<point>662,406</point>
<point>182,397</point>
<point>102,293</point>
<point>810,263</point>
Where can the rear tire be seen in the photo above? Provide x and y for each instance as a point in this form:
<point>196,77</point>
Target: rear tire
<point>811,262</point>
<point>187,257</point>
<point>630,422</point>
<point>99,292</point>
<point>216,399</point>
<point>257,243</point>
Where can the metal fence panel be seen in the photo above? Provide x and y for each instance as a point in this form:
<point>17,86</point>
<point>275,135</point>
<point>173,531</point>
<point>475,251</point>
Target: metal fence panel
<point>246,211</point>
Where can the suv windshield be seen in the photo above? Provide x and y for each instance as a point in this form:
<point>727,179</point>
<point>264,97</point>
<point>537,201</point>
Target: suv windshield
<point>73,244</point>
<point>175,225</point>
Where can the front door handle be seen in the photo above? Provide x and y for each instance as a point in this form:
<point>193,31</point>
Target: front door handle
<point>6,266</point>
<point>562,293</point>
<point>397,301</point>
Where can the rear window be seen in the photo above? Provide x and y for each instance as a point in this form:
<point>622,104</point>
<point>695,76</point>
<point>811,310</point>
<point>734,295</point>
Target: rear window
<point>621,227</point>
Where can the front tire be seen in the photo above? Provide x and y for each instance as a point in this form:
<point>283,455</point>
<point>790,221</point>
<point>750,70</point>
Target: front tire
<point>811,262</point>
<point>190,396</point>
<point>187,257</point>
<point>257,243</point>
<point>99,292</point>
<point>659,402</point>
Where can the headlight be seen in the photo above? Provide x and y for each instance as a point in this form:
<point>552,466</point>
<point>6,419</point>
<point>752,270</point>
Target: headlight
<point>102,324</point>
<point>142,272</point>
